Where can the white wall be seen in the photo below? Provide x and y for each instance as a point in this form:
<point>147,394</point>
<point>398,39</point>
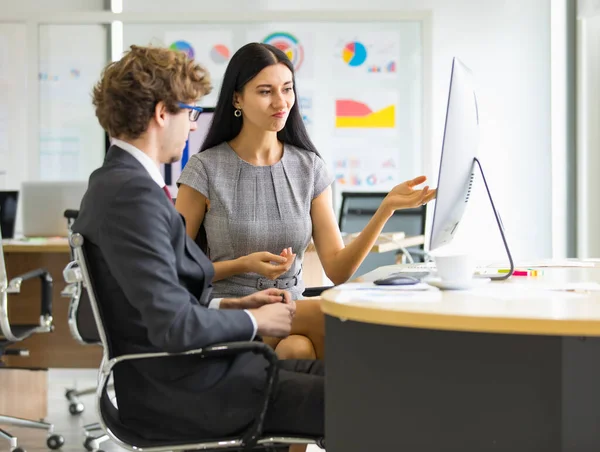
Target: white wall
<point>588,137</point>
<point>13,108</point>
<point>507,45</point>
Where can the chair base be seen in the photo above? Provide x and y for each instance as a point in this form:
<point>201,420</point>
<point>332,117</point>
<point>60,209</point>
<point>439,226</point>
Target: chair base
<point>72,395</point>
<point>53,441</point>
<point>77,407</point>
<point>92,443</point>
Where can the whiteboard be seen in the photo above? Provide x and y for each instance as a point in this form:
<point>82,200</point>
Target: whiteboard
<point>360,87</point>
<point>13,106</point>
<point>71,141</point>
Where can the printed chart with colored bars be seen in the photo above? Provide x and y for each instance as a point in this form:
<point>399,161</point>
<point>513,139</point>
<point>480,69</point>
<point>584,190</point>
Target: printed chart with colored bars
<point>354,114</point>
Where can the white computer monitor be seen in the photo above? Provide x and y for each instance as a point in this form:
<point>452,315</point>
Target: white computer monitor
<point>43,204</point>
<point>458,163</point>
<point>459,150</point>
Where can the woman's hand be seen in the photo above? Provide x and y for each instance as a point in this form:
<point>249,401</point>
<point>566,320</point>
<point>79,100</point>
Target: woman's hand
<point>287,253</point>
<point>405,196</point>
<point>267,264</point>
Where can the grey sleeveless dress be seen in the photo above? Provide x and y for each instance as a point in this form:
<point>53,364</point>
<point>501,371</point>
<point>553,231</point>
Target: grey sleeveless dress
<point>257,208</point>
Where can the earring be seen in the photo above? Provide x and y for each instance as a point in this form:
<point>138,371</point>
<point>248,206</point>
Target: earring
<point>237,113</point>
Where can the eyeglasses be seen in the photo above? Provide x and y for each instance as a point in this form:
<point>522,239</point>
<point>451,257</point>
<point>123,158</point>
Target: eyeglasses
<point>194,111</point>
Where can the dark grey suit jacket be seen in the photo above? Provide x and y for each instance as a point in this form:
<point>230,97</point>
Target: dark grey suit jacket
<point>153,285</point>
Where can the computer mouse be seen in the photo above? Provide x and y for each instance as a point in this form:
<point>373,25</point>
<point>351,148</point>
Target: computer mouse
<point>396,280</point>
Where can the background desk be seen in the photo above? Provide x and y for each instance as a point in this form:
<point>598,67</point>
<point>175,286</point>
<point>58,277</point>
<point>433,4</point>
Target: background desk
<point>57,349</point>
<point>510,370</point>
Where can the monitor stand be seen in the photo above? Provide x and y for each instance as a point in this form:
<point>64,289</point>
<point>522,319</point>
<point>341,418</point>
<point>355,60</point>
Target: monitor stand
<point>500,228</point>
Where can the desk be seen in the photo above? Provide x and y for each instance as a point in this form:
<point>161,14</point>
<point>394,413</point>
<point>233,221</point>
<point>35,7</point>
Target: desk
<point>54,245</point>
<point>513,368</point>
<point>56,349</point>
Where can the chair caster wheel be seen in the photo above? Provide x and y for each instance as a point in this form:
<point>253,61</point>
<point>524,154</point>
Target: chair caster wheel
<point>18,449</point>
<point>76,408</point>
<point>90,444</point>
<point>55,442</point>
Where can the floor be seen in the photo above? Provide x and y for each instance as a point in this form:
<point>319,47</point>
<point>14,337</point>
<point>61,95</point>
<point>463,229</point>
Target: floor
<point>64,423</point>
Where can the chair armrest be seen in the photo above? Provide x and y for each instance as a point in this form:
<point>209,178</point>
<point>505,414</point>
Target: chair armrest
<point>17,352</point>
<point>71,214</point>
<point>315,291</point>
<point>254,432</point>
<point>14,286</point>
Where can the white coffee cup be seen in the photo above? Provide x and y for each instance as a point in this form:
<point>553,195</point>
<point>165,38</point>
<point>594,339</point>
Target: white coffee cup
<point>455,268</point>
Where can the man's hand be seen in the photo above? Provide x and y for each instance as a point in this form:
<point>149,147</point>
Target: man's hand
<point>258,299</point>
<point>274,319</point>
<point>269,296</point>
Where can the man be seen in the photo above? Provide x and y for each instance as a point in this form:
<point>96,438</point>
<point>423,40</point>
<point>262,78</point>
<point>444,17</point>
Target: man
<point>153,282</point>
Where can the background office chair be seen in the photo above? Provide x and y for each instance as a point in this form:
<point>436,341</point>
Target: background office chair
<point>83,329</point>
<point>251,439</point>
<point>356,210</point>
<point>11,334</point>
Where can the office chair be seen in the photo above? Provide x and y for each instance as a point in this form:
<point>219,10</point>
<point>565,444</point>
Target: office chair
<point>126,437</point>
<point>83,330</point>
<point>12,334</point>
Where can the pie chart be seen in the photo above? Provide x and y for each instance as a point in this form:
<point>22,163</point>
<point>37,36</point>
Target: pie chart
<point>219,54</point>
<point>354,53</point>
<point>288,44</point>
<point>184,47</point>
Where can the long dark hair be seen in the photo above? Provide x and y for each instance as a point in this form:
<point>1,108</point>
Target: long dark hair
<point>245,64</point>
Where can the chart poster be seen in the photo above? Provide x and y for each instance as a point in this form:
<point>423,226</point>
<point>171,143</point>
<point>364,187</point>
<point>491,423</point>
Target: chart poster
<point>366,169</point>
<point>212,49</point>
<point>372,113</point>
<point>373,55</point>
<point>297,45</point>
<point>305,104</point>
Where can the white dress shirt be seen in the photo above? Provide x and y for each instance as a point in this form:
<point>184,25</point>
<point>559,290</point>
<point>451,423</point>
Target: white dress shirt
<point>157,177</point>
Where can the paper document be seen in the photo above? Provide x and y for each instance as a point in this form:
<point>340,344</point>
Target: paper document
<point>367,292</point>
<point>513,292</point>
<point>555,263</point>
<point>387,296</point>
<point>576,287</point>
<point>374,287</point>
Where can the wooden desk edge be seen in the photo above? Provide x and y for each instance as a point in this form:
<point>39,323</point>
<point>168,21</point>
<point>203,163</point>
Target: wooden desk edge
<point>44,248</point>
<point>447,322</point>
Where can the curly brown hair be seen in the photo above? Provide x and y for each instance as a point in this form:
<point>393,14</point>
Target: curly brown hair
<point>127,93</point>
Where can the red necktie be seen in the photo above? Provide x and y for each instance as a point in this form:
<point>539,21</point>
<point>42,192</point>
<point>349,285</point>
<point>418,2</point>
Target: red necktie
<point>167,192</point>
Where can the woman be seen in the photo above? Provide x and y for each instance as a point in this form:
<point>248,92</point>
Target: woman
<point>261,190</point>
